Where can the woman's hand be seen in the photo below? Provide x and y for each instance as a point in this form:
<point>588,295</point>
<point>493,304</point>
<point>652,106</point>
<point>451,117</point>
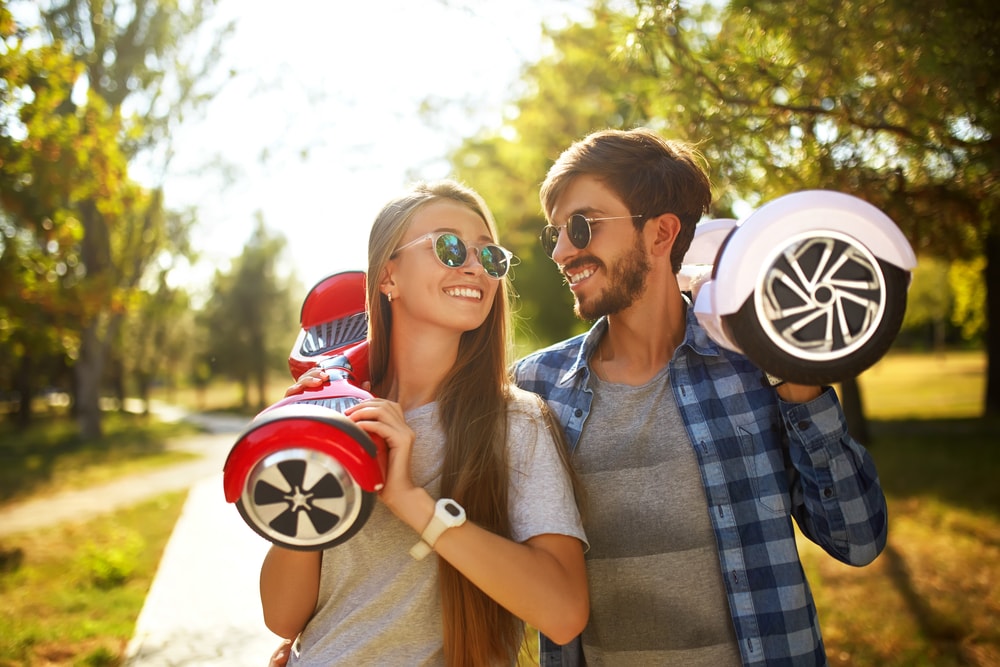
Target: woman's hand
<point>280,656</point>
<point>312,378</point>
<point>384,418</point>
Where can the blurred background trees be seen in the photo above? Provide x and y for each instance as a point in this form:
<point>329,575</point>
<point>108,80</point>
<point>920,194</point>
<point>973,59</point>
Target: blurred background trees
<point>88,90</point>
<point>895,102</point>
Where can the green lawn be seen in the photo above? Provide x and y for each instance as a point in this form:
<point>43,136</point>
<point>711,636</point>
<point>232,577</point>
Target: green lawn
<point>933,597</point>
<point>70,594</point>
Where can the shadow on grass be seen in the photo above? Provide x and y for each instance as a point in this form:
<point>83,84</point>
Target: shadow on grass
<point>954,460</point>
<point>33,458</point>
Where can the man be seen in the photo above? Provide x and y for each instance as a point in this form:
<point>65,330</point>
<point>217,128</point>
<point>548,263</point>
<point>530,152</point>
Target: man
<point>693,464</point>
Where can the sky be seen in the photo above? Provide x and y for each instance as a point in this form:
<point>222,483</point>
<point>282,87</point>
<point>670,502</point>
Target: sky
<point>320,124</point>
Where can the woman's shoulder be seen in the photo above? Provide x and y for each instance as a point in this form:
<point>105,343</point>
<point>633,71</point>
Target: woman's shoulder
<point>522,401</point>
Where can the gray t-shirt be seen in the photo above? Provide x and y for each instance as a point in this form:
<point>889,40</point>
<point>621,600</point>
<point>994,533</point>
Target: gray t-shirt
<point>657,597</point>
<point>377,605</point>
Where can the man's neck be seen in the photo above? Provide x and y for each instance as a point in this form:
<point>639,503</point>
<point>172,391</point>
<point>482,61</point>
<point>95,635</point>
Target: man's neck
<point>641,340</point>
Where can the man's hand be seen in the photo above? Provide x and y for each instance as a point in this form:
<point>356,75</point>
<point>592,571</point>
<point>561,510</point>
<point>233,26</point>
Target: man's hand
<point>798,393</point>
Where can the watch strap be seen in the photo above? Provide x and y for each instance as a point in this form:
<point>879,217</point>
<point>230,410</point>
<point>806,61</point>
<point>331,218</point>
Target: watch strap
<point>447,514</point>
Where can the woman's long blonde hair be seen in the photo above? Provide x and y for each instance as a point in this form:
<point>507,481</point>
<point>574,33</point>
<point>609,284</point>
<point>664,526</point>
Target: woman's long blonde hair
<point>472,404</point>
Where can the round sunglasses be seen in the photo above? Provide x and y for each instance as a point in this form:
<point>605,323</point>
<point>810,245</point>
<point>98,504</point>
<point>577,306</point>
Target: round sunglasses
<point>578,230</point>
<point>453,253</point>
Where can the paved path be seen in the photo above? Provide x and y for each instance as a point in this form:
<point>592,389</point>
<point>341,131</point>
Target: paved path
<point>203,608</point>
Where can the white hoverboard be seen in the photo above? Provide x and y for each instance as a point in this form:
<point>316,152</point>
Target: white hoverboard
<point>811,286</point>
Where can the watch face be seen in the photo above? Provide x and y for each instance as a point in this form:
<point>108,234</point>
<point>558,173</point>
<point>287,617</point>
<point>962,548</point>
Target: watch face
<point>453,509</point>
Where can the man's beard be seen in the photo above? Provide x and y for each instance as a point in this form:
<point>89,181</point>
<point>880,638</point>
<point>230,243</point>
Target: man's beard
<point>626,281</point>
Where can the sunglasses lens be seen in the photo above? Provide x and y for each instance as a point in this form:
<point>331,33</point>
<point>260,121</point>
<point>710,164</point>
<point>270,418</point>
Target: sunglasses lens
<point>549,237</point>
<point>494,261</point>
<point>579,231</point>
<point>450,250</point>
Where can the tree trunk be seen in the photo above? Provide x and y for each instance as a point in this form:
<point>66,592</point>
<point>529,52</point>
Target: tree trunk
<point>261,388</point>
<point>854,412</point>
<point>991,277</point>
<point>144,381</point>
<point>23,383</point>
<point>118,381</point>
<point>87,372</point>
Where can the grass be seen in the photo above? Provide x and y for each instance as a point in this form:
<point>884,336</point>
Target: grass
<point>922,386</point>
<point>933,597</point>
<point>70,595</point>
<point>50,456</point>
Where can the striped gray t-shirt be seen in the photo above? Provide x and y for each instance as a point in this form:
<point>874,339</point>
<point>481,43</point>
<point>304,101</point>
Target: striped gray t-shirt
<point>656,590</point>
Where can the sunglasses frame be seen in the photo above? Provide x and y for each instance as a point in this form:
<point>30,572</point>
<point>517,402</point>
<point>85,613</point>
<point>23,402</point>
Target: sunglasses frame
<point>577,221</point>
<point>466,248</point>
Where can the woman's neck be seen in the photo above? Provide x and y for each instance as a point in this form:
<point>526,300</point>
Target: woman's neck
<point>417,367</point>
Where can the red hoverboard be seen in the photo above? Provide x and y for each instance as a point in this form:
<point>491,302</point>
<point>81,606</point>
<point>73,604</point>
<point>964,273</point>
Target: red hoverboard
<point>303,475</point>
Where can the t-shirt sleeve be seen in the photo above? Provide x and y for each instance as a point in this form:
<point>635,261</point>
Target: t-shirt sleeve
<point>541,494</point>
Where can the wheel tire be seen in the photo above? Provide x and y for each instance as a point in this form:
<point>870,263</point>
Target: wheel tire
<point>824,309</point>
<point>303,499</point>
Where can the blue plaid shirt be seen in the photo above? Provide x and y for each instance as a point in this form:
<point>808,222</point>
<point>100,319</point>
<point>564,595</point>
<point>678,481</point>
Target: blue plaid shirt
<point>763,462</point>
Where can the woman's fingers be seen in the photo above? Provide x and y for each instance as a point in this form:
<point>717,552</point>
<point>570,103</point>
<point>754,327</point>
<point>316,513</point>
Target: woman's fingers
<point>314,377</point>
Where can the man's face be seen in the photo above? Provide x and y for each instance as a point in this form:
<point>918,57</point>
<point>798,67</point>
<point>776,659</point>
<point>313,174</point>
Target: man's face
<point>609,274</point>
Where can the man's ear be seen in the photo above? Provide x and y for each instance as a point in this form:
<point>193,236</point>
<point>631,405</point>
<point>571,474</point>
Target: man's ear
<point>664,229</point>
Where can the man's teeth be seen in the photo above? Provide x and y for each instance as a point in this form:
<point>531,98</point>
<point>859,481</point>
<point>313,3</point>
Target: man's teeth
<point>577,277</point>
<point>464,291</point>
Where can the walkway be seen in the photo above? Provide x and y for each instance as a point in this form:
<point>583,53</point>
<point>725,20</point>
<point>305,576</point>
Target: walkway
<point>203,608</point>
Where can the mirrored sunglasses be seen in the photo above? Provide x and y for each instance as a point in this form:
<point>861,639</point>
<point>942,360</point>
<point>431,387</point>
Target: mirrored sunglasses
<point>577,229</point>
<point>453,253</point>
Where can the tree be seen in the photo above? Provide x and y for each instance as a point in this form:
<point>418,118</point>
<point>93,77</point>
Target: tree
<point>877,99</point>
<point>578,88</point>
<point>53,156</point>
<point>250,319</point>
<point>158,334</point>
<point>138,79</point>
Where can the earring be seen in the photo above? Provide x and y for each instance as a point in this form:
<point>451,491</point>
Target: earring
<point>388,295</point>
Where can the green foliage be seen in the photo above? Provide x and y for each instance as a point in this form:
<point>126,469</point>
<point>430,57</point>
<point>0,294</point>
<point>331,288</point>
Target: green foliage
<point>966,280</point>
<point>872,98</point>
<point>81,95</point>
<point>877,99</point>
<point>249,321</point>
<point>583,85</point>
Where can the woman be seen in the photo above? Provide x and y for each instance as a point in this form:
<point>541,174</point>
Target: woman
<point>457,429</point>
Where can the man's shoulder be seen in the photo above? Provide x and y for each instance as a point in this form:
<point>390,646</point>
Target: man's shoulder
<point>558,355</point>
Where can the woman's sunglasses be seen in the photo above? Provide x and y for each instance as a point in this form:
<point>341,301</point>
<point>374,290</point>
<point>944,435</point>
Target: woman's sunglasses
<point>578,230</point>
<point>453,253</point>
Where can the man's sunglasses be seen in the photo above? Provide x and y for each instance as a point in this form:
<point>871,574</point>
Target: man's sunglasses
<point>453,253</point>
<point>577,229</point>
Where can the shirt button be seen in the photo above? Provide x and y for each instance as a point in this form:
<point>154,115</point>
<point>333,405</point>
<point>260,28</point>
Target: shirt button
<point>578,412</point>
<point>804,424</point>
<point>827,492</point>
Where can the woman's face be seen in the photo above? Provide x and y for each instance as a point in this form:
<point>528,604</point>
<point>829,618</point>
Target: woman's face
<point>426,291</point>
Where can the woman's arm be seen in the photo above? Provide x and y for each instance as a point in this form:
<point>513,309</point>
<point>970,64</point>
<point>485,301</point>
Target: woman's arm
<point>542,581</point>
<point>289,588</point>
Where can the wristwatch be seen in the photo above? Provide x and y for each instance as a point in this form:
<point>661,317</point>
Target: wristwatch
<point>447,514</point>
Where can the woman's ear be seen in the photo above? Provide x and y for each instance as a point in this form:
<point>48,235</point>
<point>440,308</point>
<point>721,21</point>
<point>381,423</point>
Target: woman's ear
<point>387,285</point>
<point>664,229</point>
